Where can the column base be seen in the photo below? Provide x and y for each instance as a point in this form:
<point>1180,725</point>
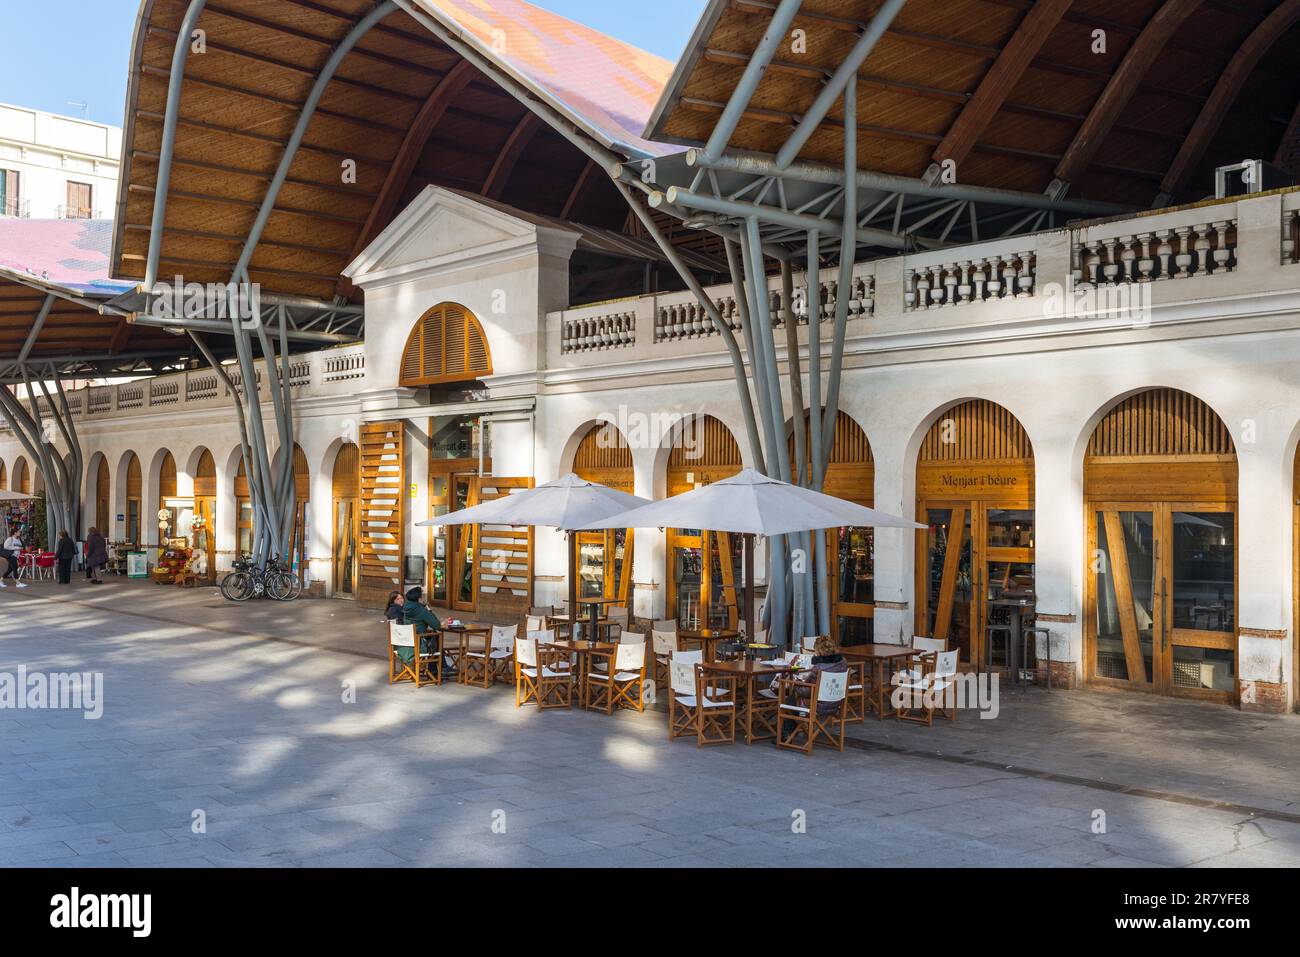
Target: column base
<point>1262,697</point>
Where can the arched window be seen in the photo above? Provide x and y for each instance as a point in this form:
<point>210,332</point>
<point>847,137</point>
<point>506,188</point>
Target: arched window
<point>446,345</point>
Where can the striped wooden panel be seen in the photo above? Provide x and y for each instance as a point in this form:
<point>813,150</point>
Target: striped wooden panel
<point>604,456</point>
<point>346,479</point>
<point>134,485</point>
<point>22,476</point>
<point>977,430</point>
<point>4,476</point>
<point>446,345</point>
<point>383,531</point>
<point>851,474</point>
<point>704,452</point>
<point>167,478</point>
<point>205,476</point>
<point>301,475</point>
<point>1161,422</point>
<point>505,555</point>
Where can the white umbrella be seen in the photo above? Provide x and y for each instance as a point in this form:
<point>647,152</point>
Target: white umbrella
<point>749,503</point>
<point>566,503</point>
<point>8,496</point>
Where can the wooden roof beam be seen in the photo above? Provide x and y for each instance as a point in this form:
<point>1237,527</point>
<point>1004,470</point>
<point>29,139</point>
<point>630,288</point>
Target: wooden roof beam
<point>1118,92</point>
<point>1015,58</point>
<point>509,154</point>
<point>1225,92</point>
<point>408,154</point>
<point>567,210</point>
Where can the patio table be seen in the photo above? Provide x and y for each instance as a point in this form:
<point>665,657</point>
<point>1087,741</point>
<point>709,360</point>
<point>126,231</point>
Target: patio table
<point>747,673</point>
<point>708,638</point>
<point>585,650</point>
<point>462,633</point>
<point>876,657</point>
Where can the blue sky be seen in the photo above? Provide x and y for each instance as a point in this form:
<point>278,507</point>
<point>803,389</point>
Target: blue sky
<point>65,52</point>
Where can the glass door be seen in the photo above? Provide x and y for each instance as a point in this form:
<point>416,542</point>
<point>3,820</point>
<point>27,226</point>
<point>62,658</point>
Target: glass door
<point>853,554</point>
<point>462,540</point>
<point>345,547</point>
<point>952,611</point>
<point>1164,612</point>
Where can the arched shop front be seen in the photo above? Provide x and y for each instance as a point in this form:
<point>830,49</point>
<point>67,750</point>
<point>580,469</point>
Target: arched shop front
<point>1160,493</point>
<point>975,562</point>
<point>345,492</point>
<point>605,558</point>
<point>850,552</point>
<point>703,567</point>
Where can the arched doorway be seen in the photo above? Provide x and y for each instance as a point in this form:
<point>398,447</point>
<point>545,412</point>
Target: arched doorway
<point>302,500</point>
<point>243,512</point>
<point>168,524</point>
<point>975,562</point>
<point>703,566</point>
<point>22,477</point>
<point>1160,494</point>
<point>4,476</point>
<point>103,504</point>
<point>134,499</point>
<point>605,558</point>
<point>850,475</point>
<point>205,505</point>
<point>346,492</point>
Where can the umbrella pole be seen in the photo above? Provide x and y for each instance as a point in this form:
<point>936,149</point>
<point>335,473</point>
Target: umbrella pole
<point>573,585</point>
<point>750,625</point>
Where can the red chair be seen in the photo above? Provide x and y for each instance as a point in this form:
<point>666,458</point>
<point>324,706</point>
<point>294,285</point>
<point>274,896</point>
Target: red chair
<point>45,565</point>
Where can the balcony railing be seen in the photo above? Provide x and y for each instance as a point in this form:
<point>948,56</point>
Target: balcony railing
<point>16,208</point>
<point>78,212</point>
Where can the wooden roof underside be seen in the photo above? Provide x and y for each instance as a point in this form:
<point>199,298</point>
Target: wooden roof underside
<point>407,109</point>
<point>1005,87</point>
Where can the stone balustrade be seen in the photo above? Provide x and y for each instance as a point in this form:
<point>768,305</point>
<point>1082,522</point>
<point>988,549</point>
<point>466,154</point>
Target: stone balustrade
<point>592,333</point>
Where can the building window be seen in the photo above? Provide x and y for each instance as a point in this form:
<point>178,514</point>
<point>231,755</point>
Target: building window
<point>79,202</point>
<point>11,203</point>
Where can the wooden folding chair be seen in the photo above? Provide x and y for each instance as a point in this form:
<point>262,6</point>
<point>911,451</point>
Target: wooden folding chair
<point>402,636</point>
<point>692,708</point>
<point>919,698</point>
<point>607,690</point>
<point>536,678</point>
<point>795,719</point>
<point>482,665</point>
<point>664,645</point>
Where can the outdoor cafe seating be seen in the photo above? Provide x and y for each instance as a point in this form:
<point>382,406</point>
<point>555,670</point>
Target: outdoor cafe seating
<point>408,659</point>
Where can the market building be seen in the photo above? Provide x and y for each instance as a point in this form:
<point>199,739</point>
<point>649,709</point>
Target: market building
<point>1078,370</point>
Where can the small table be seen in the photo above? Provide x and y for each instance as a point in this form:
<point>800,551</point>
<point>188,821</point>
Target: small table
<point>708,638</point>
<point>462,633</point>
<point>746,672</point>
<point>569,620</point>
<point>876,657</point>
<point>585,650</point>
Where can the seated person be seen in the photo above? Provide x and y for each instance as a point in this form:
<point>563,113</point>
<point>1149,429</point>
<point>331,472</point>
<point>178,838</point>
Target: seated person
<point>427,626</point>
<point>393,611</point>
<point>825,658</point>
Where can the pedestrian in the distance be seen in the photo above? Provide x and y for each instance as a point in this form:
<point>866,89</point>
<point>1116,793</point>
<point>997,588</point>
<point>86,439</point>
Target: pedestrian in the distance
<point>65,553</point>
<point>96,555</point>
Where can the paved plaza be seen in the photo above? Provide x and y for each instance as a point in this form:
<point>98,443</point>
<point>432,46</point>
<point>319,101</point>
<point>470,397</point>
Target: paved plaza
<point>265,734</point>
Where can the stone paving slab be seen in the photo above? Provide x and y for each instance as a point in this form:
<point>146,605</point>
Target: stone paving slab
<point>231,714</point>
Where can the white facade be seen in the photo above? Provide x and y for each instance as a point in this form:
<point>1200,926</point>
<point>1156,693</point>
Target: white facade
<point>48,152</point>
<point>1227,335</point>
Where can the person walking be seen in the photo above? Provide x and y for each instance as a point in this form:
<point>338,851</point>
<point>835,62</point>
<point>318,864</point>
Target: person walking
<point>96,555</point>
<point>65,553</point>
<point>12,549</point>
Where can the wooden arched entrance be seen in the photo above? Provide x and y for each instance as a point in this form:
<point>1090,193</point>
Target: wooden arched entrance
<point>134,501</point>
<point>703,566</point>
<point>850,475</point>
<point>103,504</point>
<point>975,562</point>
<point>605,558</point>
<point>1160,493</point>
<point>346,491</point>
<point>205,506</point>
<point>166,490</point>
<point>22,476</point>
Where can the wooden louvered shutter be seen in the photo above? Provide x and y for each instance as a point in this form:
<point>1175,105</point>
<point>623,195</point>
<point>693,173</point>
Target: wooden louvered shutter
<point>446,345</point>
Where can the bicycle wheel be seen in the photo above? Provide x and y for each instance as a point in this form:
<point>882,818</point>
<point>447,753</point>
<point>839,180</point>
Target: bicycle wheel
<point>237,586</point>
<point>283,585</point>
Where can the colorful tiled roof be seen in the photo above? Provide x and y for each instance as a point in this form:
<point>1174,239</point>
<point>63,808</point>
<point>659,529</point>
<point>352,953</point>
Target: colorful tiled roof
<point>610,85</point>
<point>70,253</point>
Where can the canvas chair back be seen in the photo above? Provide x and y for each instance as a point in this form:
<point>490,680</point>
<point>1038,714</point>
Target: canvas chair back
<point>629,657</point>
<point>617,614</point>
<point>401,636</point>
<point>542,637</point>
<point>810,644</point>
<point>929,644</point>
<point>693,657</point>
<point>503,637</point>
<point>535,623</point>
<point>945,664</point>
<point>803,659</point>
<point>526,650</point>
<point>666,624</point>
<point>683,677</point>
<point>632,638</point>
<point>832,686</point>
<point>664,642</point>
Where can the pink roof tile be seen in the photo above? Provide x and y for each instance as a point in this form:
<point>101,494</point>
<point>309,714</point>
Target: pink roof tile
<point>72,253</point>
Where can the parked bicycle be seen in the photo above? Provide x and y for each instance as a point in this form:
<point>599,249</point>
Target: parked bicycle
<point>272,580</point>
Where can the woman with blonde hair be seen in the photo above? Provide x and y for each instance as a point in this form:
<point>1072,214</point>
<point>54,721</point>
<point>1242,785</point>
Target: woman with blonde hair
<point>826,657</point>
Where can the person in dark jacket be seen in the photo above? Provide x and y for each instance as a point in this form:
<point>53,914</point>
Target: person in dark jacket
<point>825,658</point>
<point>393,612</point>
<point>65,553</point>
<point>96,555</point>
<point>427,626</point>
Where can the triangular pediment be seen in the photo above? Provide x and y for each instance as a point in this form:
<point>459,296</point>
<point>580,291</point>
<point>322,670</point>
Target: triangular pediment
<point>439,228</point>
